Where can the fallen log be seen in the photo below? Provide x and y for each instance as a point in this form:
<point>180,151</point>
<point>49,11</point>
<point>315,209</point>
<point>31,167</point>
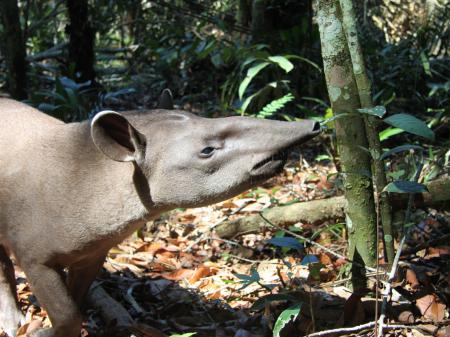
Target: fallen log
<point>317,211</point>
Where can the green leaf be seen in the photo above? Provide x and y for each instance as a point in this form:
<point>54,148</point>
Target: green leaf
<point>251,73</point>
<point>404,186</point>
<point>285,317</point>
<point>261,302</point>
<point>73,99</point>
<point>288,242</point>
<point>277,104</point>
<point>247,102</point>
<point>259,92</point>
<point>425,63</point>
<point>188,334</point>
<point>321,157</point>
<point>309,258</point>
<point>333,118</point>
<point>410,124</point>
<point>283,62</point>
<point>377,111</point>
<point>389,132</point>
<point>400,148</point>
<point>249,279</point>
<point>316,100</point>
<point>300,58</point>
<point>396,175</point>
<point>51,94</point>
<point>47,107</point>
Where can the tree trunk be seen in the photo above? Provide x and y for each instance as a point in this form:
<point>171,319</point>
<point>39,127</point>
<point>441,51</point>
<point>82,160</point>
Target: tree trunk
<point>351,139</point>
<point>261,24</point>
<point>81,43</point>
<point>371,124</point>
<point>14,49</point>
<point>244,13</point>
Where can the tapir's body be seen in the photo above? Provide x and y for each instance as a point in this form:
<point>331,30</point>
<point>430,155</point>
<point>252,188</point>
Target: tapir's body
<point>64,203</point>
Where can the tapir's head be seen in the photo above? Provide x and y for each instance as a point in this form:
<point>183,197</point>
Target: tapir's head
<point>190,161</point>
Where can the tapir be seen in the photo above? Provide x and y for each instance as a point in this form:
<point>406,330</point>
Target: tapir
<point>70,192</point>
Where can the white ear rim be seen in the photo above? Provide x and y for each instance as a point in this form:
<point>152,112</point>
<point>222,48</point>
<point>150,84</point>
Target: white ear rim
<point>100,114</point>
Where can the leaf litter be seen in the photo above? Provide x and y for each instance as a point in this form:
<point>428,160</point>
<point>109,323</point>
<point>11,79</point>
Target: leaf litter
<point>176,277</point>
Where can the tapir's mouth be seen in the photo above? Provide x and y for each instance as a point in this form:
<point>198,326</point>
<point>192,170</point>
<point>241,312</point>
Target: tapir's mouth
<point>270,165</point>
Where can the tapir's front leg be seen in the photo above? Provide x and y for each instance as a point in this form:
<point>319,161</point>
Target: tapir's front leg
<point>10,315</point>
<point>81,277</point>
<point>52,293</point>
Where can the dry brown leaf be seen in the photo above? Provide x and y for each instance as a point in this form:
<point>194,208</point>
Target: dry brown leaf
<point>151,247</point>
<point>325,259</point>
<point>411,278</point>
<point>431,308</point>
<point>186,218</point>
<point>436,252</point>
<point>178,274</point>
<point>202,272</point>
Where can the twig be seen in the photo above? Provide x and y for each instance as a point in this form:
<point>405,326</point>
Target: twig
<point>314,243</point>
<point>388,288</point>
<point>344,330</point>
<point>211,227</point>
<point>130,299</point>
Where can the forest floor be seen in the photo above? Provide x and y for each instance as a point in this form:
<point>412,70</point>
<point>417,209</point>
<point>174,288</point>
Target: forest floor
<point>179,277</point>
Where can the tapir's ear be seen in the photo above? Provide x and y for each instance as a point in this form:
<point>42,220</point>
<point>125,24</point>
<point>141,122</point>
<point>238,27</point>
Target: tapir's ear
<point>165,101</point>
<point>113,134</point>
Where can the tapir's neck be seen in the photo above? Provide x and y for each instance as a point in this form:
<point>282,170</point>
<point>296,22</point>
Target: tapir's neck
<point>113,193</point>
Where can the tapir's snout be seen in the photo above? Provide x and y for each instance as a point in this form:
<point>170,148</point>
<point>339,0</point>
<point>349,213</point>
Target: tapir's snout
<point>305,130</point>
<point>281,139</point>
<point>315,128</point>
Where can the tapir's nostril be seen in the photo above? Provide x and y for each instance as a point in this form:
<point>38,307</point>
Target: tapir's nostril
<point>316,128</point>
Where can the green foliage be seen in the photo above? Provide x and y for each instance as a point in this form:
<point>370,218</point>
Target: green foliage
<point>400,186</point>
<point>378,111</point>
<point>410,124</point>
<point>276,84</point>
<point>68,100</point>
<point>287,316</point>
<point>287,242</point>
<point>71,101</point>
<point>271,108</point>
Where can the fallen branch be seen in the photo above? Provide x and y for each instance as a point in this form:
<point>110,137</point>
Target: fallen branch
<point>310,212</point>
<point>113,312</point>
<point>341,331</point>
<point>110,309</point>
<point>317,211</point>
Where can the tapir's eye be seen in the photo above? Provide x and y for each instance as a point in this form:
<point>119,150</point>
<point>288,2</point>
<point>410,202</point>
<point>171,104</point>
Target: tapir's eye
<point>207,152</point>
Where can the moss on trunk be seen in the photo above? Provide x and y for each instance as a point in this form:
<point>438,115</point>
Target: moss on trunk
<point>351,138</point>
<point>371,124</point>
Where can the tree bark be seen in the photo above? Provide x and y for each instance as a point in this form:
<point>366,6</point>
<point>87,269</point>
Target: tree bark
<point>371,125</point>
<point>14,49</point>
<point>351,139</point>
<point>244,13</point>
<point>81,40</point>
<point>261,24</point>
<point>315,211</point>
